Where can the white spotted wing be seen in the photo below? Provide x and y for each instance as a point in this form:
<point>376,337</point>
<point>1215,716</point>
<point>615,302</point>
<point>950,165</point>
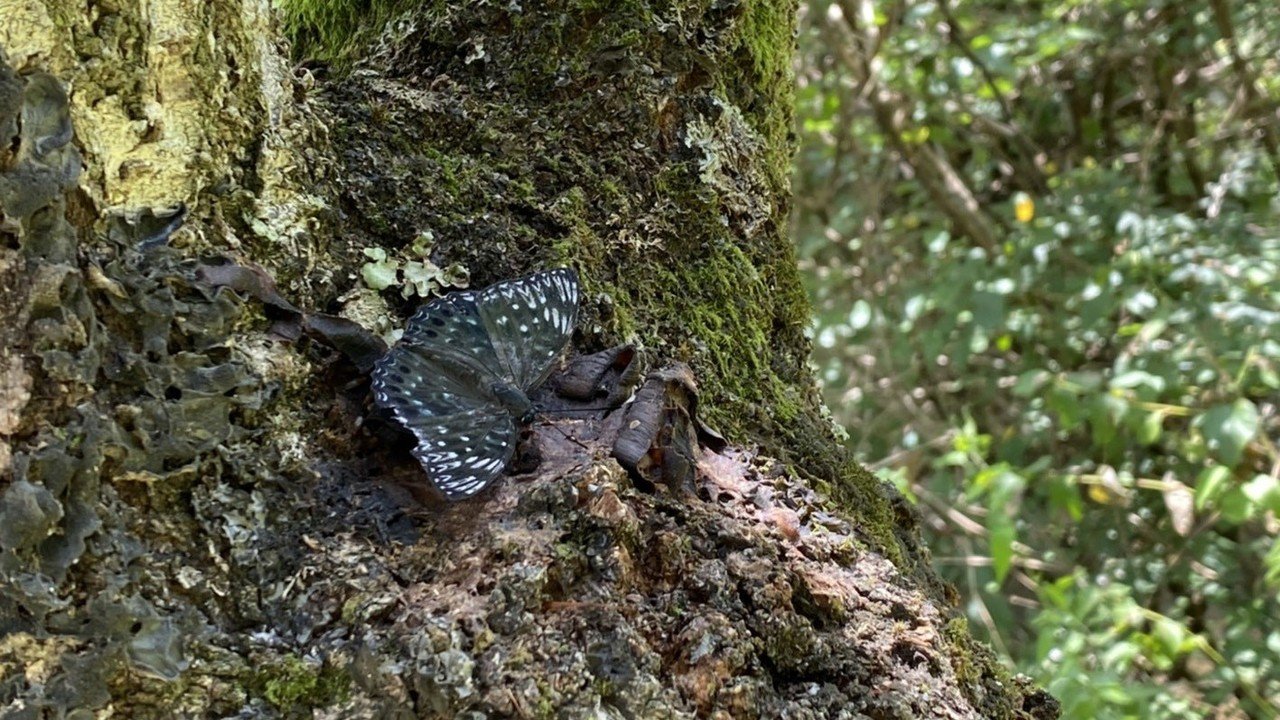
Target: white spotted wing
<point>439,380</point>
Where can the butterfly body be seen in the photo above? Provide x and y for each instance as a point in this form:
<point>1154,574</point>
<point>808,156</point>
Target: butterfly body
<point>514,401</point>
<point>460,377</point>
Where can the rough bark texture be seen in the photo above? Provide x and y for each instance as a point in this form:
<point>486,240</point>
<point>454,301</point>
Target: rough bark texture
<point>194,520</point>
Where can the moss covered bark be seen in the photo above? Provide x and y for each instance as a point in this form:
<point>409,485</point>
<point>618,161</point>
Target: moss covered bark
<point>201,526</point>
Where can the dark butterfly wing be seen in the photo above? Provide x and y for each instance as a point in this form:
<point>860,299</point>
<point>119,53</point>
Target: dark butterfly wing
<point>439,379</point>
<point>463,452</point>
<point>435,381</point>
<point>420,379</point>
<point>529,321</point>
<point>465,440</point>
<point>452,323</point>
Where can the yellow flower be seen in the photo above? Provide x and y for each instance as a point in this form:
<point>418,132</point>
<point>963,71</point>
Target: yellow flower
<point>1024,208</point>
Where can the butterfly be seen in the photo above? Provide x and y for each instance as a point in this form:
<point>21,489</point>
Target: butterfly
<point>459,378</point>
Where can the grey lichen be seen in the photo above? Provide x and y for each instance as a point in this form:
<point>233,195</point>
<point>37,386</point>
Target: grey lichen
<point>136,392</point>
<point>28,514</point>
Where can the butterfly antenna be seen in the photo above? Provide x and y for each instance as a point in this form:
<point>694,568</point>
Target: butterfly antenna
<point>602,408</point>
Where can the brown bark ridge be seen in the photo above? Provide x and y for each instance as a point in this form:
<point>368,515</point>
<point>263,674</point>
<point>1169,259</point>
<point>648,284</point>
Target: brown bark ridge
<point>200,519</point>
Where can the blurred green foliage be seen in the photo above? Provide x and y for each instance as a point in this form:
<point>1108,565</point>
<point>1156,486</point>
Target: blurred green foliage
<point>1043,242</point>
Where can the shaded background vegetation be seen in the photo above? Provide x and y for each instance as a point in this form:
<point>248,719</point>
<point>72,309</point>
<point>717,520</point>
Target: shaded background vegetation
<point>1042,242</point>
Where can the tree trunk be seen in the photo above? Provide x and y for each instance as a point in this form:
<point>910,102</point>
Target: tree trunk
<point>200,518</point>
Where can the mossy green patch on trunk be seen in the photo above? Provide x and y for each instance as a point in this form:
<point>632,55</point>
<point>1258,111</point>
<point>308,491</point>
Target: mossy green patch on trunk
<point>292,684</point>
<point>333,30</point>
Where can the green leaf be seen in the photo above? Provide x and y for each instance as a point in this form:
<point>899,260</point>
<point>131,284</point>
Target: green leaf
<point>1152,426</point>
<point>1269,377</point>
<point>1065,495</point>
<point>1235,506</point>
<point>1138,378</point>
<point>1228,428</point>
<point>1106,412</point>
<point>1211,484</point>
<point>1071,412</point>
<point>1262,491</point>
<point>1272,560</point>
<point>1172,636</point>
<point>1084,381</point>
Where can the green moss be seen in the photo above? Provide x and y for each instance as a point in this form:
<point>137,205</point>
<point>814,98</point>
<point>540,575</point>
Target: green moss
<point>956,631</point>
<point>332,30</point>
<point>860,490</point>
<point>765,79</point>
<point>981,676</point>
<point>292,683</point>
<point>789,644</point>
<point>546,708</point>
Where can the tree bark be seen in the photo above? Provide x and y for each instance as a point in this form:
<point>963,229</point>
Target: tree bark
<point>201,519</point>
